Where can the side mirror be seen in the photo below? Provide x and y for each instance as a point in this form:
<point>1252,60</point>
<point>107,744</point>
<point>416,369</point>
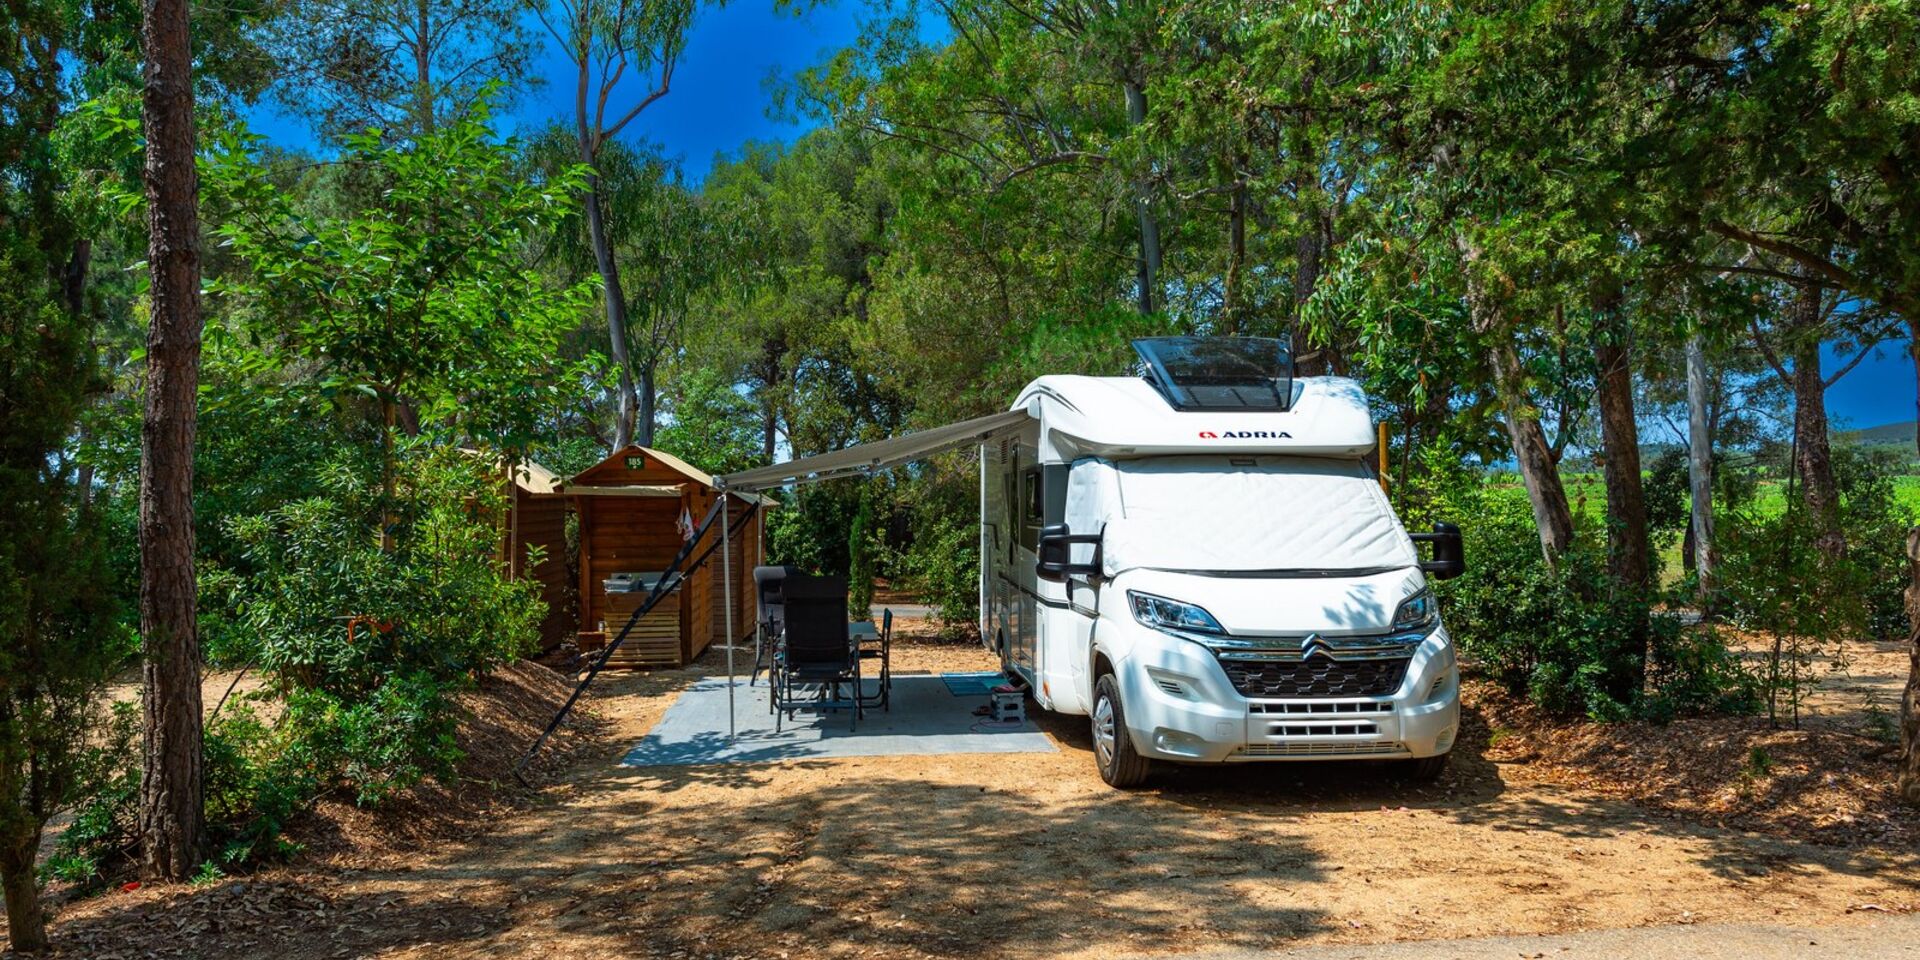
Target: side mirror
<point>1055,552</point>
<point>1449,556</point>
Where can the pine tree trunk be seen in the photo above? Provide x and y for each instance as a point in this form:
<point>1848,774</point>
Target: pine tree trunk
<point>26,922</point>
<point>1629,562</point>
<point>170,791</point>
<point>1815,451</point>
<point>1628,555</point>
<point>626,400</point>
<point>1909,777</point>
<point>1700,468</point>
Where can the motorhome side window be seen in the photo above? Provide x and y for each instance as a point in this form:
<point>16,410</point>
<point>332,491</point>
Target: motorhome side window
<point>1032,508</point>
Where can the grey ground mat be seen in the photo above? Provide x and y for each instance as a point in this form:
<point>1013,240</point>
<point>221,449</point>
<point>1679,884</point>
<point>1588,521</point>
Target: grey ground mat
<point>926,719</point>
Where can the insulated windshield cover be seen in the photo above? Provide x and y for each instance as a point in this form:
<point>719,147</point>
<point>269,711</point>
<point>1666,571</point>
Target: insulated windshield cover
<point>1219,373</point>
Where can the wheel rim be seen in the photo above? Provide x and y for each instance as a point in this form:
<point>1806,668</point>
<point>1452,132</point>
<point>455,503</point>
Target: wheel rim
<point>1103,730</point>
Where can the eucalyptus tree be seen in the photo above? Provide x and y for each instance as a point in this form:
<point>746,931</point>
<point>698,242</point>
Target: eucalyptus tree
<point>660,237</point>
<point>1800,126</point>
<point>623,53</point>
<point>1044,93</point>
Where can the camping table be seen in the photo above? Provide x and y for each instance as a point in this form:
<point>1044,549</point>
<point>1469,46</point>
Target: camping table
<point>875,645</point>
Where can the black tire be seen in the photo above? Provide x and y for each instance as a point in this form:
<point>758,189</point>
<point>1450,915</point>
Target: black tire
<point>1422,770</point>
<point>1119,764</point>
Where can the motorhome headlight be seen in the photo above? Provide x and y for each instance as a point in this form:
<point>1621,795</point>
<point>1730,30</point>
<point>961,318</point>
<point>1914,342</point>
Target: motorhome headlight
<point>1417,612</point>
<point>1163,614</point>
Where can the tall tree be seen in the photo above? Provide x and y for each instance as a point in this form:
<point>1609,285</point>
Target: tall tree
<point>606,40</point>
<point>57,646</point>
<point>171,809</point>
<point>404,67</point>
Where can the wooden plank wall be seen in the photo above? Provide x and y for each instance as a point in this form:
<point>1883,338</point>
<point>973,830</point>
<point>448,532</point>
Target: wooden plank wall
<point>622,535</point>
<point>541,520</point>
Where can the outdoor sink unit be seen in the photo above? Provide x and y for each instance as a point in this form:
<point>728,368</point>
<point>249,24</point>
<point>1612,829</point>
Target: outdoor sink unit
<point>1202,560</point>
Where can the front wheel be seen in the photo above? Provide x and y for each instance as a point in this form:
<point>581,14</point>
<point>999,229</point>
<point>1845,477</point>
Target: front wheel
<point>1120,766</point>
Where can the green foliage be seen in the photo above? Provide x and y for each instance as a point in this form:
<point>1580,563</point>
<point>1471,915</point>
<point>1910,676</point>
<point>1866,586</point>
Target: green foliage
<point>809,530</point>
<point>861,544</point>
<point>422,296</point>
<point>1565,637</point>
<point>1774,580</point>
<point>942,565</point>
<point>710,424</point>
<point>59,636</point>
<point>102,831</point>
<point>253,788</point>
<point>321,566</point>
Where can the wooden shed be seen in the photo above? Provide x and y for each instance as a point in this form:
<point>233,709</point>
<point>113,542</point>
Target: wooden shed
<point>537,516</point>
<point>635,509</point>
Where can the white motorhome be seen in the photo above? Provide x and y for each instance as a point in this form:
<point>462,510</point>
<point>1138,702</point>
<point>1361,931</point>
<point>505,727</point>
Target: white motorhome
<point>1202,560</point>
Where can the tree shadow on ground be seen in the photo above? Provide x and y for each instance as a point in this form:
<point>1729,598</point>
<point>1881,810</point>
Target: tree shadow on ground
<point>968,856</point>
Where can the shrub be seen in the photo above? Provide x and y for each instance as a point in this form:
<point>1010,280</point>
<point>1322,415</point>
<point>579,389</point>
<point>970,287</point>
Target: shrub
<point>1564,636</point>
<point>366,641</point>
<point>1773,580</point>
<point>942,565</point>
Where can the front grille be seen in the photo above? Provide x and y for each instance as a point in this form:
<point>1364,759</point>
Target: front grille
<point>1322,730</point>
<point>1335,707</point>
<point>1322,748</point>
<point>1316,677</point>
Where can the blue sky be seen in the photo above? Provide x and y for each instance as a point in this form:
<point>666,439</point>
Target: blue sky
<point>1880,390</point>
<point>720,100</point>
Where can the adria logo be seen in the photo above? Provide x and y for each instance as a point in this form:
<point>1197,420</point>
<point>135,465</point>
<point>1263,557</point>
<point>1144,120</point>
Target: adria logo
<point>1247,435</point>
<point>1209,435</point>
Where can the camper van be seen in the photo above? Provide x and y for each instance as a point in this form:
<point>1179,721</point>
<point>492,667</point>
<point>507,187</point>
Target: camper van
<point>1202,560</point>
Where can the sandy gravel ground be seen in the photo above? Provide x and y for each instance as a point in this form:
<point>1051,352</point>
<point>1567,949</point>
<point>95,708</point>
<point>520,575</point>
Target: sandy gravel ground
<point>1007,856</point>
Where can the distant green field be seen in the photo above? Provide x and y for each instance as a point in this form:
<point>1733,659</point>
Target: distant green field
<point>1587,494</point>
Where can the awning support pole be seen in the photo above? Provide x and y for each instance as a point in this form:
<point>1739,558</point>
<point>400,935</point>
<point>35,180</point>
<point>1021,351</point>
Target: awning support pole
<point>726,594</point>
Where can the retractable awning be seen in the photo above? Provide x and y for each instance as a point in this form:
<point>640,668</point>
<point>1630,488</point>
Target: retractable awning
<point>868,458</point>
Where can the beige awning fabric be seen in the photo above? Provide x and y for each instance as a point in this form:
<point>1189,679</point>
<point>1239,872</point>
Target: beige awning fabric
<point>872,457</point>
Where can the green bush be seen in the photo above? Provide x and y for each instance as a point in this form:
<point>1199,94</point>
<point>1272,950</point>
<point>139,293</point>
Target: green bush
<point>336,612</point>
<point>366,642</point>
<point>1565,637</point>
<point>252,789</point>
<point>942,565</point>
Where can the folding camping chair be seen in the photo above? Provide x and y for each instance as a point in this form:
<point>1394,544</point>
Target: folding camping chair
<point>766,584</point>
<point>817,656</point>
<point>879,646</point>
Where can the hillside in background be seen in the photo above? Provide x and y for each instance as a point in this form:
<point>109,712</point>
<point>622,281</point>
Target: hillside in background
<point>1886,435</point>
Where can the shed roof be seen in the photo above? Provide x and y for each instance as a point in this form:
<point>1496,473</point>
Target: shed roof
<point>613,476</point>
<point>534,478</point>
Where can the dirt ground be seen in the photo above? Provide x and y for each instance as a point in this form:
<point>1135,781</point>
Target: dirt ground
<point>1004,856</point>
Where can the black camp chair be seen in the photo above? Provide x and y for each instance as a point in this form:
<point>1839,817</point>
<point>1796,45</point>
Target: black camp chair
<point>766,583</point>
<point>817,658</point>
